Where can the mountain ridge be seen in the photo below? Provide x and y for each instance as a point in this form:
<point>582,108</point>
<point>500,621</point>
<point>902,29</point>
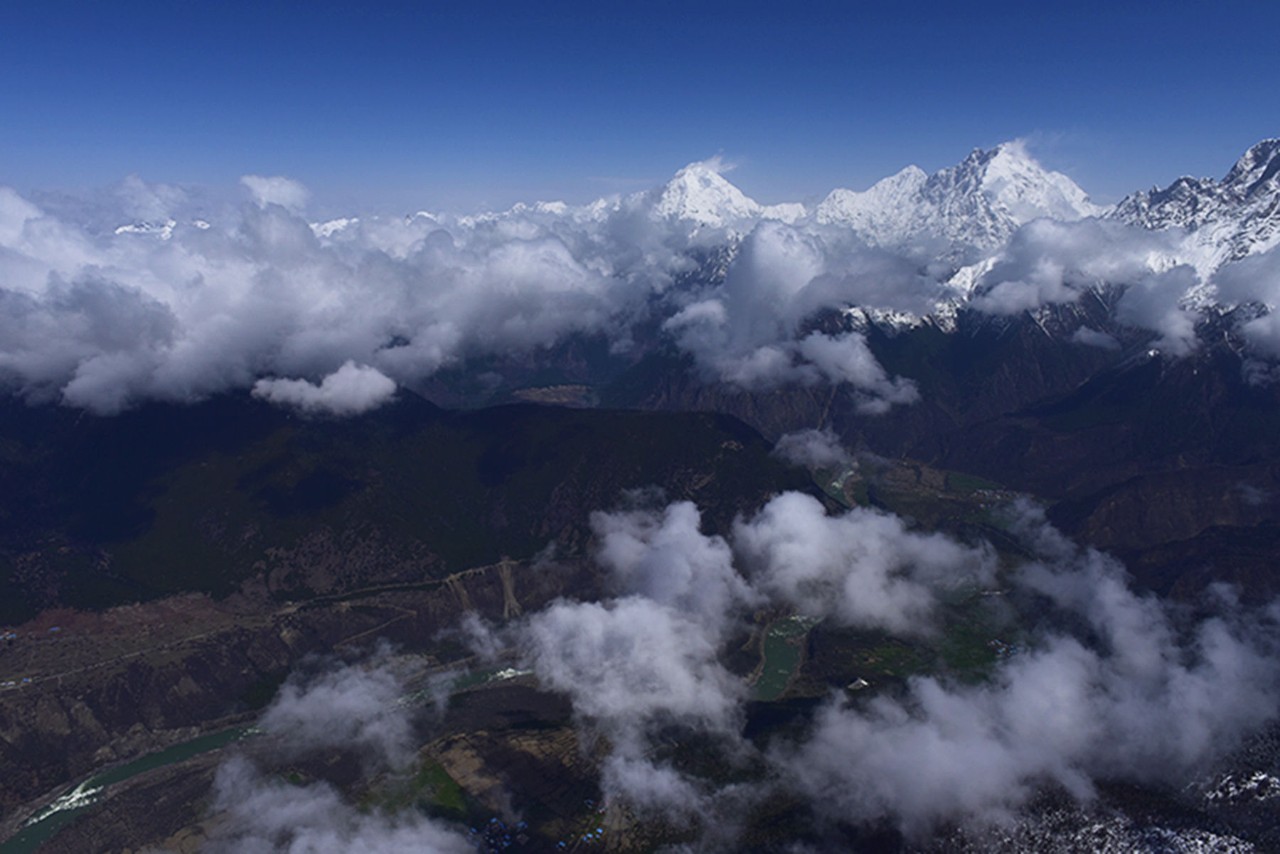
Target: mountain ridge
<point>1224,220</point>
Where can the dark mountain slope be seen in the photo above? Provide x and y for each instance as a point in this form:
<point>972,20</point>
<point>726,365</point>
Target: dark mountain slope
<point>165,499</point>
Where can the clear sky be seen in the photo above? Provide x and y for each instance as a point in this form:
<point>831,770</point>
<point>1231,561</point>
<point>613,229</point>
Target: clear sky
<point>466,105</point>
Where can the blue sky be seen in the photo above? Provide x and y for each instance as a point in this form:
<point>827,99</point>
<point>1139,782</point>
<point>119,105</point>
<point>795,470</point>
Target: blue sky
<point>480,104</point>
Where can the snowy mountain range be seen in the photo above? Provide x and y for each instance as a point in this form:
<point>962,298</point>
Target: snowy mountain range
<point>968,212</point>
<point>1224,220</point>
<point>963,227</point>
<point>964,217</point>
<point>964,214</point>
<point>974,206</point>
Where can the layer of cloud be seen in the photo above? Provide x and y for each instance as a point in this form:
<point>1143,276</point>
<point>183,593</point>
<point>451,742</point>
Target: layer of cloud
<point>206,297</point>
<point>257,291</point>
<point>102,317</point>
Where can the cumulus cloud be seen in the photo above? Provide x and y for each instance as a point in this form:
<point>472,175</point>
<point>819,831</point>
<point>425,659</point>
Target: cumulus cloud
<point>747,331</point>
<point>863,568</point>
<point>630,667</point>
<point>350,390</point>
<point>1156,303</point>
<point>846,358</point>
<point>651,787</point>
<point>1106,684</point>
<point>842,358</point>
<point>630,660</point>
<point>324,707</point>
<point>815,449</point>
<point>263,292</point>
<point>647,660</point>
<point>88,341</point>
<point>1063,714</point>
<point>1048,262</point>
<point>351,707</point>
<point>1134,699</point>
<point>1054,262</point>
<point>664,557</point>
<point>1111,687</point>
<point>260,815</point>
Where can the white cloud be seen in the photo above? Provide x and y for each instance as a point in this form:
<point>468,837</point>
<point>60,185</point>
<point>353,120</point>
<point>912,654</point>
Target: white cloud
<point>1143,703</point>
<point>322,708</point>
<point>1255,280</point>
<point>630,667</point>
<point>1108,685</point>
<point>276,190</point>
<point>664,557</point>
<point>630,662</point>
<point>15,212</point>
<point>350,390</point>
<point>259,815</point>
<point>745,333</point>
<point>863,568</point>
<point>1093,338</point>
<point>351,707</point>
<point>847,359</point>
<point>817,449</point>
<point>258,292</point>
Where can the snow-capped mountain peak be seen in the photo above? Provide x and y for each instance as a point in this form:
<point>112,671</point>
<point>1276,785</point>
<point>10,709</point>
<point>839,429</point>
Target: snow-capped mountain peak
<point>699,193</point>
<point>972,207</point>
<point>1011,177</point>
